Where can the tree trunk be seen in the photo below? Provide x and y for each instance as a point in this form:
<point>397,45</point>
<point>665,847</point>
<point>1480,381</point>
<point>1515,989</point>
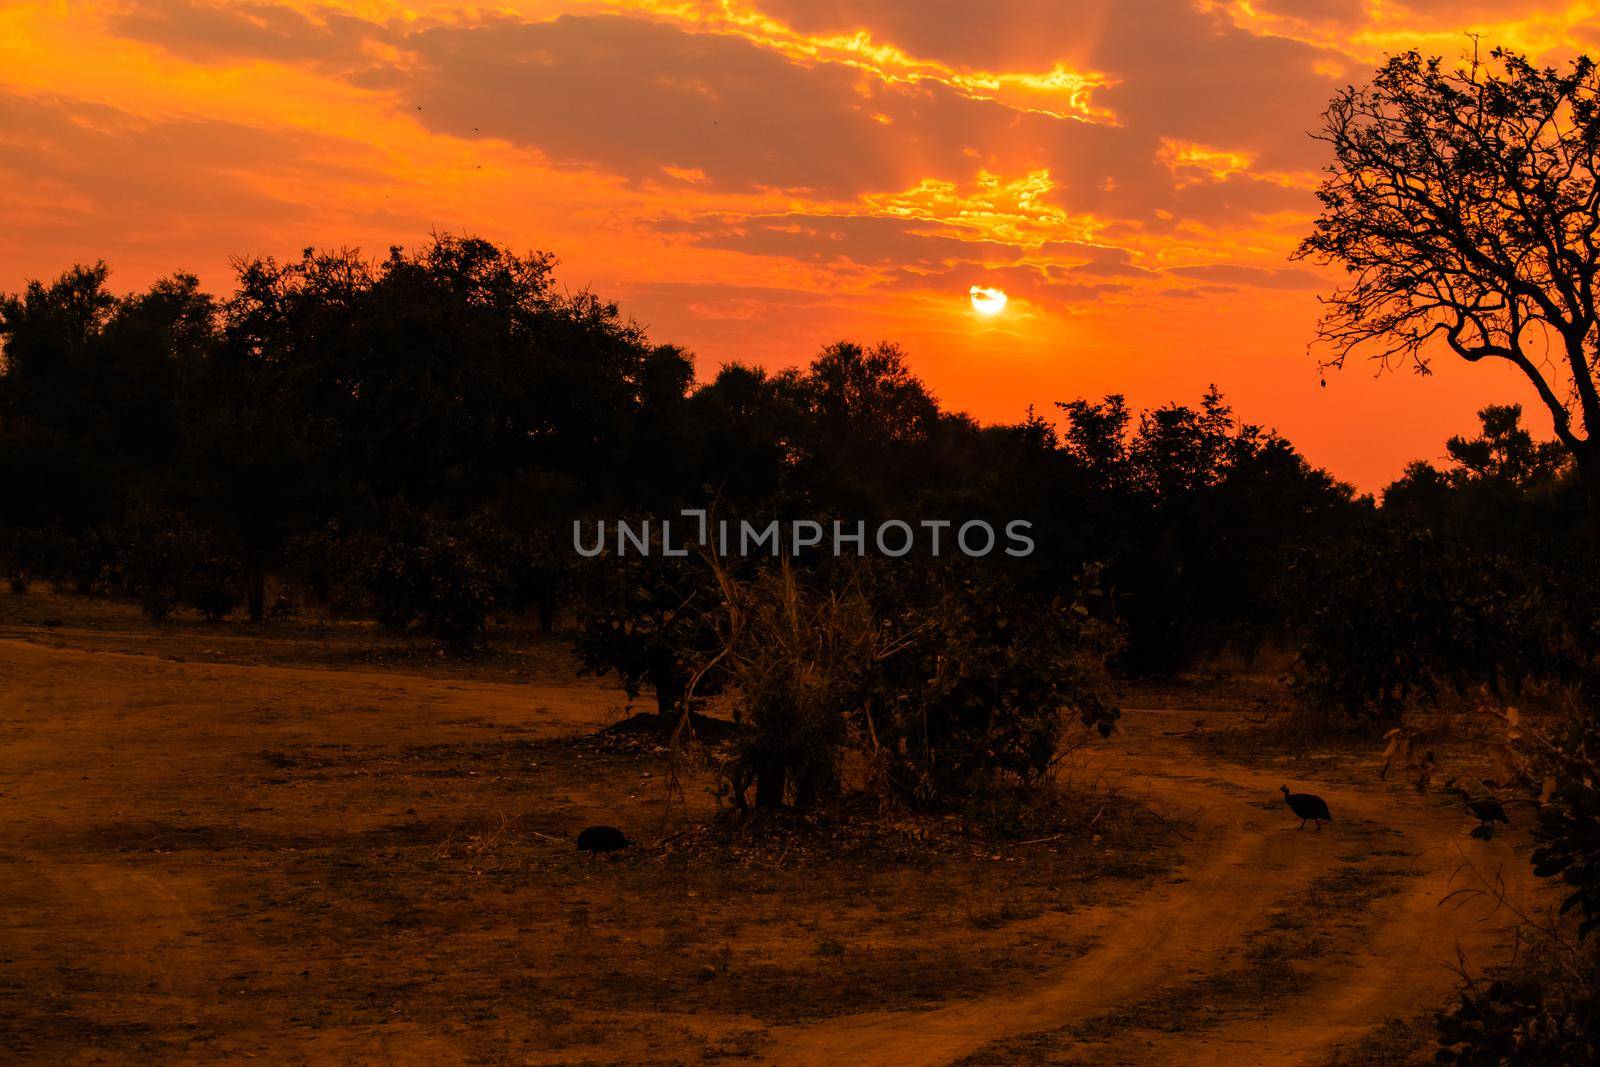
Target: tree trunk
<point>1587,457</point>
<point>807,791</point>
<point>666,692</point>
<point>255,589</point>
<point>770,781</point>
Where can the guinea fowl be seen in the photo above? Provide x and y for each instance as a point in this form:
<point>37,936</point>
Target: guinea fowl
<point>1487,810</point>
<point>597,839</point>
<point>1307,806</point>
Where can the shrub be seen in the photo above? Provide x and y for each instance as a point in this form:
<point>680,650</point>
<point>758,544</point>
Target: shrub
<point>157,550</point>
<point>1526,1020</point>
<point>947,686</point>
<point>653,621</point>
<point>211,586</point>
<point>1568,831</point>
<point>214,602</point>
<point>440,576</point>
<point>803,660</point>
<point>1396,617</point>
<point>978,694</point>
<point>540,573</point>
<point>1550,1013</point>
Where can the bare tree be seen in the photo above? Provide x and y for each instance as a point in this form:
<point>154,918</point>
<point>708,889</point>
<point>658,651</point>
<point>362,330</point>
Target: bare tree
<point>1463,203</point>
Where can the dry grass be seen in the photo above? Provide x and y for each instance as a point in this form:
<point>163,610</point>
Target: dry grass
<point>217,845</point>
<point>220,859</point>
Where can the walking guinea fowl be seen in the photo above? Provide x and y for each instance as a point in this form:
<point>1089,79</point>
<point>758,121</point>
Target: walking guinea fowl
<point>1487,810</point>
<point>1307,806</point>
<point>597,839</point>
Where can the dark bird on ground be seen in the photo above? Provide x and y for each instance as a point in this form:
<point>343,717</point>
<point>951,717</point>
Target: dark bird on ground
<point>597,839</point>
<point>1487,810</point>
<point>1307,806</point>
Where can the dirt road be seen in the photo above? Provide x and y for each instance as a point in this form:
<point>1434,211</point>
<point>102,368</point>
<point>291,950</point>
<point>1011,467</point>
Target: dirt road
<point>1251,872</point>
<point>177,882</point>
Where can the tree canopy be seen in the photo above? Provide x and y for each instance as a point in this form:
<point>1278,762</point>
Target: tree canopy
<point>1463,202</point>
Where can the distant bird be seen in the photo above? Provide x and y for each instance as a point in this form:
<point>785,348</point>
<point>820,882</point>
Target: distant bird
<point>598,839</point>
<point>1307,806</point>
<point>1487,810</point>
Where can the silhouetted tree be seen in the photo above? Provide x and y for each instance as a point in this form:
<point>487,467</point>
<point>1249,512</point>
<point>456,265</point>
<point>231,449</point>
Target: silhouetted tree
<point>1463,203</point>
<point>89,393</point>
<point>862,402</point>
<point>749,423</point>
<point>1194,515</point>
<point>349,424</point>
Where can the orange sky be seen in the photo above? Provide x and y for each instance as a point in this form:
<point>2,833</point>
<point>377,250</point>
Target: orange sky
<point>756,178</point>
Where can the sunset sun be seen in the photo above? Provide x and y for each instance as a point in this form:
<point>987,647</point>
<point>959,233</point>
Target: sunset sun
<point>987,302</point>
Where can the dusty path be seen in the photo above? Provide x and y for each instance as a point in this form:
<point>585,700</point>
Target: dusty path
<point>143,822</point>
<point>1394,958</point>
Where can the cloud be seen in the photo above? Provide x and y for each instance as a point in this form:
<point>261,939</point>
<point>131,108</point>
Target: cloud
<point>861,240</point>
<point>849,100</point>
<point>1041,284</point>
<point>1257,277</point>
<point>92,181</point>
<point>207,32</point>
<point>639,99</point>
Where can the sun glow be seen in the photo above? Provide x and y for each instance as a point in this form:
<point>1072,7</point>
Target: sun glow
<point>987,302</point>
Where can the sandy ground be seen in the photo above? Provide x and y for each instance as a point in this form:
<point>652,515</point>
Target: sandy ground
<point>208,861</point>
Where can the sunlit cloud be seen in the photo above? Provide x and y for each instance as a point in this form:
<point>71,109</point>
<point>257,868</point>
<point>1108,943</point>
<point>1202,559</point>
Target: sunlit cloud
<point>1190,162</point>
<point>1058,92</point>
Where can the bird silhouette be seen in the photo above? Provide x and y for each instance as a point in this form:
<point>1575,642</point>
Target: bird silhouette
<point>1307,806</point>
<point>597,839</point>
<point>1487,810</point>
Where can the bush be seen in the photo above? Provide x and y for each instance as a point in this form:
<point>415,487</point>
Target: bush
<point>158,549</point>
<point>1568,831</point>
<point>212,588</point>
<point>978,694</point>
<point>1550,1013</point>
<point>947,686</point>
<point>1396,617</point>
<point>1524,1021</point>
<point>214,602</point>
<point>803,660</point>
<point>653,621</point>
<point>28,553</point>
<point>442,577</point>
<point>540,573</point>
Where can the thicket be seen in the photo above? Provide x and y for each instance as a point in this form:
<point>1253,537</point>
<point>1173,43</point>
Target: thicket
<point>945,683</point>
<point>410,437</point>
<point>1474,575</point>
<point>1546,1009</point>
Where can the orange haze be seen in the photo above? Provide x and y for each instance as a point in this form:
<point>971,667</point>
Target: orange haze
<point>755,178</point>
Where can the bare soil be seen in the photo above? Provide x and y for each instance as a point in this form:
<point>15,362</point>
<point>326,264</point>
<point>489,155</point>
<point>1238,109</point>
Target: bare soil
<point>307,844</point>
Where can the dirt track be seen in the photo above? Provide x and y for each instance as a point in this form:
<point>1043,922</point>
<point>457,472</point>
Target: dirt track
<point>128,778</point>
<point>1249,860</point>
